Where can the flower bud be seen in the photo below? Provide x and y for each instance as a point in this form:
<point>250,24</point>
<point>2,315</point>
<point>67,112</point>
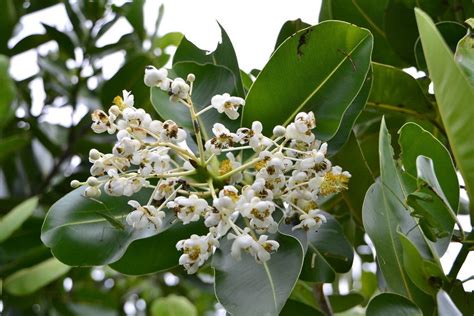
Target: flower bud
<point>279,130</point>
<point>92,181</point>
<point>191,77</point>
<point>75,184</point>
<point>94,154</point>
<point>92,192</point>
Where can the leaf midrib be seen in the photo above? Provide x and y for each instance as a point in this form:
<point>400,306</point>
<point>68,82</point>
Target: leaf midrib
<point>311,95</point>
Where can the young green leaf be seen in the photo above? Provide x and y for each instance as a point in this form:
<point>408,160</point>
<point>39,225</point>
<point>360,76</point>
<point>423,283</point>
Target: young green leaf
<point>15,218</point>
<point>392,304</point>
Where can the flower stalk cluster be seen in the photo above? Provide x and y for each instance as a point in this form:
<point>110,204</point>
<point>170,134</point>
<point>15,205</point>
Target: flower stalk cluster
<point>285,173</point>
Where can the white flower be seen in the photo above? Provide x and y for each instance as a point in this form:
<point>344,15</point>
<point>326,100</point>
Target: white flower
<point>223,139</point>
<point>166,189</point>
<point>101,122</point>
<point>227,104</point>
<point>266,247</point>
<point>170,131</point>
<point>196,250</point>
<point>242,242</point>
<point>118,186</point>
<point>143,216</point>
<point>188,209</point>
<point>312,220</point>
<point>301,128</point>
<point>128,98</point>
<point>257,140</point>
<point>156,77</point>
<point>179,88</point>
<point>157,161</point>
<point>229,164</point>
<point>126,147</point>
<point>260,214</point>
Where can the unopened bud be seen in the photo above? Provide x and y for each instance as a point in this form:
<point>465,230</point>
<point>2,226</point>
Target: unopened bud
<point>279,130</point>
<point>75,184</point>
<point>94,154</point>
<point>191,77</point>
<point>92,181</point>
<point>92,192</point>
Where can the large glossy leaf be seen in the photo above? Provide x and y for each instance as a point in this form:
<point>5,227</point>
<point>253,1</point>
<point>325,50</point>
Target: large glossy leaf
<point>391,304</point>
<point>29,280</point>
<point>248,288</point>
<point>350,116</point>
<point>320,69</point>
<point>7,91</point>
<point>395,90</point>
<point>465,52</point>
<point>156,253</point>
<point>454,95</point>
<point>293,307</point>
<point>446,305</point>
<point>415,141</point>
<point>288,29</point>
<point>82,232</point>
<point>210,80</point>
<point>384,213</point>
<point>365,13</point>
<point>341,303</point>
<point>328,252</point>
<point>426,274</point>
<point>224,56</point>
<point>13,220</point>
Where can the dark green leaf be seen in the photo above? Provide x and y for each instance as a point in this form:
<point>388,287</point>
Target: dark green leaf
<point>368,14</point>
<point>156,253</point>
<point>11,144</point>
<point>390,304</point>
<point>210,80</point>
<point>135,16</point>
<point>341,303</point>
<point>328,251</point>
<point>248,288</point>
<point>288,29</point>
<point>79,236</point>
<point>7,92</point>
<point>425,273</point>
<point>29,42</point>
<point>454,95</point>
<point>292,308</point>
<point>350,116</point>
<point>384,213</point>
<point>338,54</point>
<point>224,55</point>
<point>15,218</point>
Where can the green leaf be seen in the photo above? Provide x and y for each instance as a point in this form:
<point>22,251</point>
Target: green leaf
<point>451,31</point>
<point>79,235</point>
<point>368,14</point>
<point>454,95</point>
<point>425,273</point>
<point>173,305</point>
<point>390,304</point>
<point>328,252</point>
<point>29,42</point>
<point>156,253</point>
<point>12,144</point>
<point>293,307</point>
<point>415,141</point>
<point>338,55</point>
<point>134,15</point>
<point>15,218</point>
<point>169,39</point>
<point>210,80</point>
<point>350,116</point>
<point>7,92</point>
<point>29,280</point>
<point>64,41</point>
<point>464,55</point>
<point>341,303</point>
<point>353,159</point>
<point>248,288</point>
<point>224,55</point>
<point>288,29</point>
<point>7,23</point>
<point>384,213</point>
<point>446,305</point>
<point>464,300</point>
<point>395,90</point>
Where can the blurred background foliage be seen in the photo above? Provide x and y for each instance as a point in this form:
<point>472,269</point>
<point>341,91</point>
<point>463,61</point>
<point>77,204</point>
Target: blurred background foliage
<point>39,158</point>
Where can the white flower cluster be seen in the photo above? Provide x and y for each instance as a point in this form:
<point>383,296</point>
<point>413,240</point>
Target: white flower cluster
<point>286,173</point>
